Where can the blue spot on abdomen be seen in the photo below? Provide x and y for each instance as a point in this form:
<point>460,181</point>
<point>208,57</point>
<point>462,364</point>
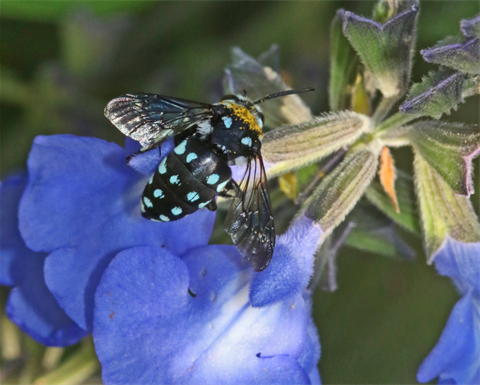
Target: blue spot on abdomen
<point>174,180</point>
<point>162,169</point>
<point>192,196</point>
<point>158,193</point>
<point>180,149</point>
<point>212,179</point>
<point>177,211</point>
<point>191,157</point>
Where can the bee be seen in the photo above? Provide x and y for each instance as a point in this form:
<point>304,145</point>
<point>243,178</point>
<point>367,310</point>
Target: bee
<point>209,138</point>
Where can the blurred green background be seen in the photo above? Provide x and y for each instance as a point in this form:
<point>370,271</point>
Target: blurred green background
<point>62,61</point>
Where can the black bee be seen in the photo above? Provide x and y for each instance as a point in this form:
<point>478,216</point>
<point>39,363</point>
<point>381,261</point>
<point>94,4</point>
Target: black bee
<point>209,139</point>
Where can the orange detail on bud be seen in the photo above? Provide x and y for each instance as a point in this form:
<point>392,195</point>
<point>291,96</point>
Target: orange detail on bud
<point>388,175</point>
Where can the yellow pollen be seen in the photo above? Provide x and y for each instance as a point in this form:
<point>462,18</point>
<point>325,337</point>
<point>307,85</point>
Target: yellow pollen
<point>247,117</point>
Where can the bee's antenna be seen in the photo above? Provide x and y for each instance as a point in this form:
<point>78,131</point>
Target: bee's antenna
<point>283,93</point>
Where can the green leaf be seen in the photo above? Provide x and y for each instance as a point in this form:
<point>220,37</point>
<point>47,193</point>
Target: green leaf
<point>384,49</point>
<point>436,95</point>
<point>338,193</point>
<point>291,147</point>
<point>247,74</point>
<point>449,148</point>
<point>442,211</point>
<point>342,63</point>
<point>407,217</point>
<point>376,233</point>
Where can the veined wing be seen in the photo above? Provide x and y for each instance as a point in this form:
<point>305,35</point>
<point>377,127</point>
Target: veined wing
<point>250,221</point>
<point>151,119</point>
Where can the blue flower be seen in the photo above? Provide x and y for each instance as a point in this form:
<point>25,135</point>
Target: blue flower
<point>30,304</point>
<point>153,281</point>
<point>165,319</point>
<point>82,206</point>
<point>455,358</point>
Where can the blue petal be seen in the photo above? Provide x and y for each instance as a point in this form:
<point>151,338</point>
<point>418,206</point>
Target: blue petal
<point>455,358</point>
<point>147,162</point>
<point>292,264</point>
<point>161,320</point>
<point>461,262</point>
<point>131,146</point>
<point>310,355</point>
<point>30,304</point>
<point>83,203</point>
<point>11,242</point>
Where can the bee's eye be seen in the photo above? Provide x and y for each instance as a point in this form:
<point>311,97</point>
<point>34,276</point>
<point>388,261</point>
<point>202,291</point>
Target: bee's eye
<point>262,117</point>
<point>230,97</point>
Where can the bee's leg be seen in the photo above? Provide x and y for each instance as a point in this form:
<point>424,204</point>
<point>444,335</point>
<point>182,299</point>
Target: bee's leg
<point>142,151</point>
<point>231,190</point>
<point>212,206</point>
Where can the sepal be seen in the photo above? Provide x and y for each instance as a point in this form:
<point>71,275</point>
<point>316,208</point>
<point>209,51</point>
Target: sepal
<point>384,49</point>
<point>461,55</point>
<point>291,147</point>
<point>437,94</point>
<point>338,193</point>
<point>247,74</point>
<point>342,63</point>
<point>449,148</point>
<point>442,211</point>
<point>471,27</point>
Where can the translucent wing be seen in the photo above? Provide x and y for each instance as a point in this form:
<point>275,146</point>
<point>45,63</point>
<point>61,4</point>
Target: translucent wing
<point>249,221</point>
<point>150,119</point>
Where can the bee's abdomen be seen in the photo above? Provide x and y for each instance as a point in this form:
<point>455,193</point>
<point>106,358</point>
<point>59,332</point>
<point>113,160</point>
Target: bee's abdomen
<point>187,179</point>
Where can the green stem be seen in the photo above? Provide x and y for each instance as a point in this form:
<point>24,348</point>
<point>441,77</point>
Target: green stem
<point>384,108</point>
<point>10,340</point>
<point>395,121</point>
<point>78,368</point>
<point>34,361</point>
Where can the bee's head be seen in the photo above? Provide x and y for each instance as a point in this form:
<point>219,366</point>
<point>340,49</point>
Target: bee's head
<point>242,100</point>
<point>253,107</point>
